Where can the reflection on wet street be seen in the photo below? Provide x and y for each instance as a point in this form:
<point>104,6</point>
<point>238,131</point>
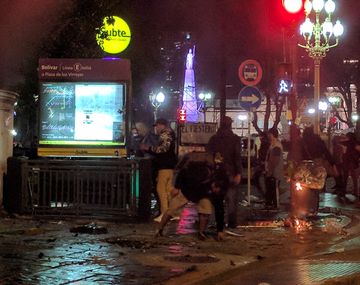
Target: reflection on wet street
<point>61,252</point>
<point>61,257</point>
<point>188,220</point>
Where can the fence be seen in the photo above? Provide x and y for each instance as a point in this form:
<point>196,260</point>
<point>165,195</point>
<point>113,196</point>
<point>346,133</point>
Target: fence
<point>104,187</point>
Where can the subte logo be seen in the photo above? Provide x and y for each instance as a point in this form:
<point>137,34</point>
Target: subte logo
<point>114,35</point>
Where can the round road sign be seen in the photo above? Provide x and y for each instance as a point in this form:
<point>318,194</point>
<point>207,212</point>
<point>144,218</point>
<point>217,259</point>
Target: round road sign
<point>249,98</point>
<point>250,72</point>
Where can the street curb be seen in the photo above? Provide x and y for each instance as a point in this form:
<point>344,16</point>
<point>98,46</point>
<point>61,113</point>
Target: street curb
<point>348,280</point>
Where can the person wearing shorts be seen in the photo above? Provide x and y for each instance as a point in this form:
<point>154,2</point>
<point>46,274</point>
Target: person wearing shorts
<point>194,184</point>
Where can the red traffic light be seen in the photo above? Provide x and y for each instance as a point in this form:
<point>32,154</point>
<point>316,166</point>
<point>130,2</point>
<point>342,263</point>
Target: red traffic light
<point>288,13</point>
<point>182,116</point>
<point>332,120</point>
<point>292,6</point>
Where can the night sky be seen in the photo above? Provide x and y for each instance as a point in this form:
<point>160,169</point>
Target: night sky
<point>241,29</point>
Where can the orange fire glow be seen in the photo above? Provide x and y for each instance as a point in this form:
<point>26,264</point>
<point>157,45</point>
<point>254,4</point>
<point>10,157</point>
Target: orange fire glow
<point>298,186</point>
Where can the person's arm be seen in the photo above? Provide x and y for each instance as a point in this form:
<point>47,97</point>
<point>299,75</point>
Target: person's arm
<point>165,141</point>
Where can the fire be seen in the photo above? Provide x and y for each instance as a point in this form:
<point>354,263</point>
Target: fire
<point>298,186</point>
<point>301,225</point>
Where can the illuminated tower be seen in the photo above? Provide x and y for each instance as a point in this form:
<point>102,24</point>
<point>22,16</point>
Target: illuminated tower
<point>189,96</point>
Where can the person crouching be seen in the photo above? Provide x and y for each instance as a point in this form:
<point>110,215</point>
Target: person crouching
<point>193,183</point>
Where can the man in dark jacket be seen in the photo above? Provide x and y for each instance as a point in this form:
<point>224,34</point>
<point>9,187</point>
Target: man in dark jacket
<point>226,149</point>
<point>165,160</point>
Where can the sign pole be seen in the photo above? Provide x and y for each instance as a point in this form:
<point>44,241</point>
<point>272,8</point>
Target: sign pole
<point>248,159</point>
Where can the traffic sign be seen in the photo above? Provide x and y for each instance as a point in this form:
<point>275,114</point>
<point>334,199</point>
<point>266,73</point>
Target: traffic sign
<point>250,72</point>
<point>249,98</point>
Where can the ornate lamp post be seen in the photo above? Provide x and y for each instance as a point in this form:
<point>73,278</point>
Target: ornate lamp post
<point>204,97</point>
<point>156,100</point>
<point>319,37</point>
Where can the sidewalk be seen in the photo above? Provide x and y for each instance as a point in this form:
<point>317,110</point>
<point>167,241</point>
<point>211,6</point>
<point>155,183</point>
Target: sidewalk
<point>263,250</point>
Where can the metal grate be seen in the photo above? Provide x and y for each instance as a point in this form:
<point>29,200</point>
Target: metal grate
<point>53,187</point>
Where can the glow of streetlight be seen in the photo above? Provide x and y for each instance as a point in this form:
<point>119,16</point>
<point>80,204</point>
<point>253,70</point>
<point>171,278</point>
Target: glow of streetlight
<point>160,97</point>
<point>318,5</point>
<point>205,96</point>
<point>323,106</point>
<point>307,7</point>
<point>355,117</point>
<point>311,110</point>
<point>330,6</point>
<point>338,29</point>
<point>242,117</point>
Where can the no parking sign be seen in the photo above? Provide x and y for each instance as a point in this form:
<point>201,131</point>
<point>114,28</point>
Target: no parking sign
<point>250,72</point>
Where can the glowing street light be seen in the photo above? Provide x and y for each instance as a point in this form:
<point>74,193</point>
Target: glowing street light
<point>204,97</point>
<point>156,101</point>
<point>319,38</point>
<point>355,117</point>
<point>242,118</point>
<point>311,110</point>
<point>323,106</point>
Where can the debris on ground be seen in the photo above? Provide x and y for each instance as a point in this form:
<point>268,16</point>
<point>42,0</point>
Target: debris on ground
<point>91,228</point>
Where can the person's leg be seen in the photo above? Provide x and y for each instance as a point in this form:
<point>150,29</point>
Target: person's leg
<point>346,173</point>
<point>340,182</point>
<point>218,203</point>
<point>169,173</point>
<point>270,184</point>
<point>154,175</point>
<point>162,189</point>
<point>205,209</point>
<point>354,177</point>
<point>176,204</point>
<point>232,197</point>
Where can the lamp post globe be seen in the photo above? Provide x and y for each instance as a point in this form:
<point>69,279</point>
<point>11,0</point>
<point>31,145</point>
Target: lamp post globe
<point>160,97</point>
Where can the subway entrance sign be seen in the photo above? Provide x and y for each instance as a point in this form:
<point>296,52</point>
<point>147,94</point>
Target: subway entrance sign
<point>249,98</point>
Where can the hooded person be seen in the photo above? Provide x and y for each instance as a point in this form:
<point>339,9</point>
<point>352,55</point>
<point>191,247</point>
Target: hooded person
<point>225,146</point>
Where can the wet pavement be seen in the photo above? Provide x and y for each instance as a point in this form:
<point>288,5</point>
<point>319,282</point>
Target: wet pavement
<point>265,249</point>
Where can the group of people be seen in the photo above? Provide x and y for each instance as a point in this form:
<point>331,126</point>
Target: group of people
<point>211,179</point>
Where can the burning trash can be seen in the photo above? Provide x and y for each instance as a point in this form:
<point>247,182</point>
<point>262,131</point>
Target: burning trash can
<point>307,181</point>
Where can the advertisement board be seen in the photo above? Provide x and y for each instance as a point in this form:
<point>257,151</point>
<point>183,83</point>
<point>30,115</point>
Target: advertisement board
<point>83,108</point>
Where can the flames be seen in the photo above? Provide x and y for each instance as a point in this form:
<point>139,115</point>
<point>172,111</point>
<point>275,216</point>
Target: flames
<point>298,225</point>
<point>298,186</point>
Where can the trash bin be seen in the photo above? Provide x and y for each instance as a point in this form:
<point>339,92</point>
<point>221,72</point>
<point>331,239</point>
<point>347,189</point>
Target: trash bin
<point>306,183</point>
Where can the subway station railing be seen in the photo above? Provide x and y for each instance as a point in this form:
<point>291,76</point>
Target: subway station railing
<point>106,188</point>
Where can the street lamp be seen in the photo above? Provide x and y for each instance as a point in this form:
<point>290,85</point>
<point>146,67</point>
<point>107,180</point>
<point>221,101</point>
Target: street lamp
<point>319,38</point>
<point>242,118</point>
<point>204,97</point>
<point>156,100</point>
